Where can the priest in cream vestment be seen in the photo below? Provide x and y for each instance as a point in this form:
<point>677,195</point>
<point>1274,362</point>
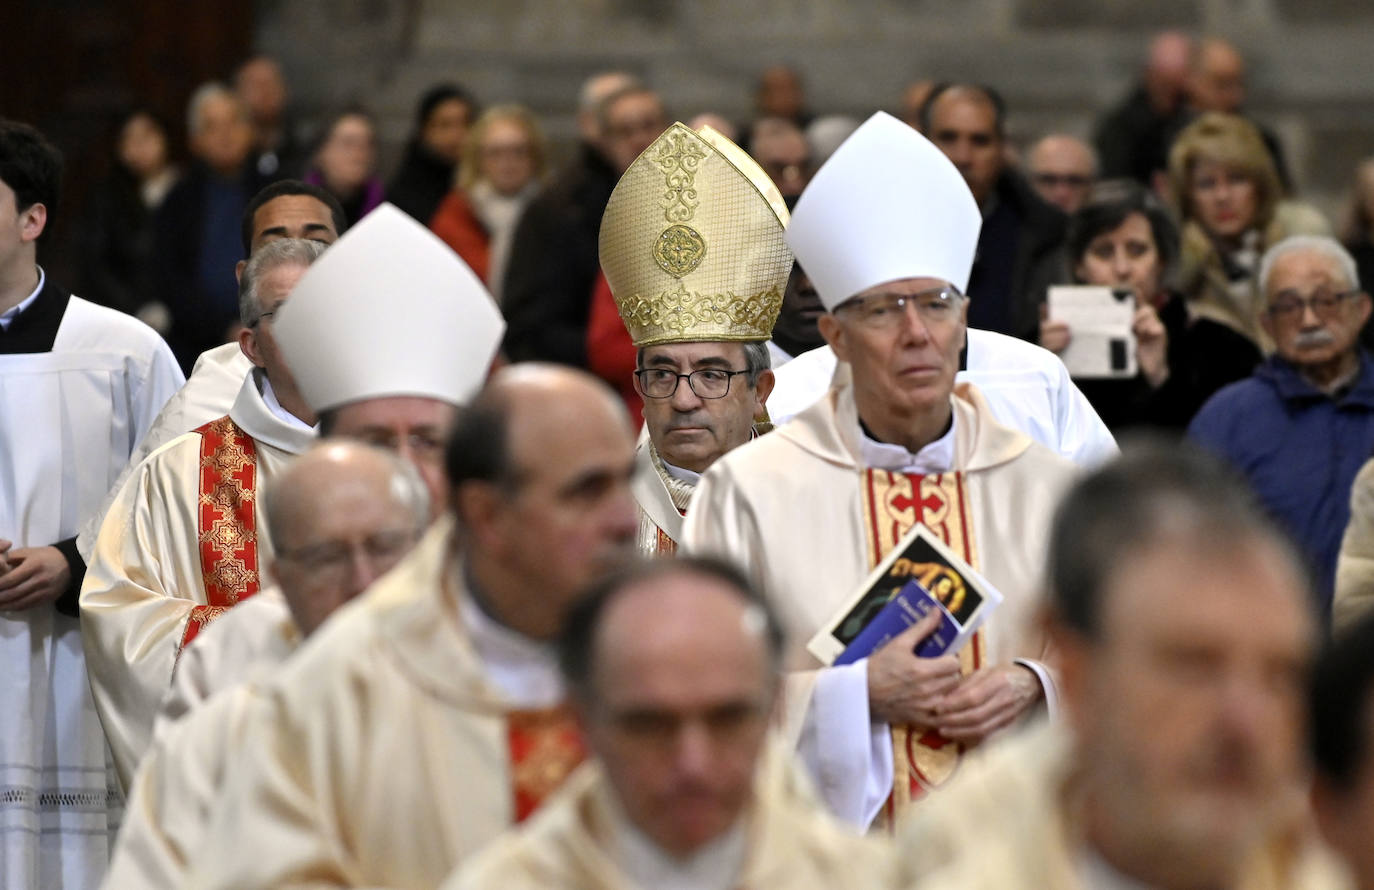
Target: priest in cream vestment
<point>184,539</point>
<point>342,514</point>
<point>693,251</point>
<point>887,231</point>
<point>428,715</point>
<point>674,671</point>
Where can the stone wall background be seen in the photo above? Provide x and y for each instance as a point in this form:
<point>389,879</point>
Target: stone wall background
<point>1058,62</point>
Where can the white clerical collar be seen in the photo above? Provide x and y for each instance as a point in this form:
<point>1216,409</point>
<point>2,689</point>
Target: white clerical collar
<point>937,457</point>
<point>717,866</point>
<point>523,670</point>
<point>10,314</point>
<point>269,398</point>
<point>679,473</point>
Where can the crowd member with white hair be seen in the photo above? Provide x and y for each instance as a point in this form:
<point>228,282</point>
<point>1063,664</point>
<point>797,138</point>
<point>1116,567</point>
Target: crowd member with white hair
<point>1301,427</point>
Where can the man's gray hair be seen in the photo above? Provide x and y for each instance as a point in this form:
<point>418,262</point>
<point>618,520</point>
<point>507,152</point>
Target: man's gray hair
<point>757,359</point>
<point>1319,244</point>
<point>282,252</point>
<point>404,486</point>
<point>205,93</point>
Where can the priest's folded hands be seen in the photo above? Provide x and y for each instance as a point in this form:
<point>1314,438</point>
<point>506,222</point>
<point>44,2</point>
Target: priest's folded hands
<point>931,693</point>
<point>31,576</point>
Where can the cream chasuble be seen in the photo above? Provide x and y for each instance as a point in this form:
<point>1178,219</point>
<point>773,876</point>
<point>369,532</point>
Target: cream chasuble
<point>187,516</point>
<point>800,510</point>
<point>69,418</point>
<point>386,753</point>
<point>577,842</point>
<point>662,499</point>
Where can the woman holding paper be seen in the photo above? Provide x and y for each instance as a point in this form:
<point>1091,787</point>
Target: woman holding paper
<point>1123,238</point>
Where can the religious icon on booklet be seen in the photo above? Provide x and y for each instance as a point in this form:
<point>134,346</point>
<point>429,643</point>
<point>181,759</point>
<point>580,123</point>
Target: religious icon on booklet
<point>920,574</point>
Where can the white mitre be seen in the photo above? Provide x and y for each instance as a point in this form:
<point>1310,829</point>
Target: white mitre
<point>887,205</point>
<point>388,310</point>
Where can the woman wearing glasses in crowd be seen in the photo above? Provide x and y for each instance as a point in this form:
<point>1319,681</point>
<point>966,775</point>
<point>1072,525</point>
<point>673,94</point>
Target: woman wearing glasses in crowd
<point>1124,238</point>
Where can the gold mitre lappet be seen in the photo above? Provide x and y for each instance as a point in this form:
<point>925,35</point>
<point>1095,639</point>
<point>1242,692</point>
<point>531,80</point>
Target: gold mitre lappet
<point>692,242</point>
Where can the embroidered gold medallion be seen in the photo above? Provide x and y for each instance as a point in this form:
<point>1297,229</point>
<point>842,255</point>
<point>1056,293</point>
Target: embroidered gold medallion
<point>679,250</point>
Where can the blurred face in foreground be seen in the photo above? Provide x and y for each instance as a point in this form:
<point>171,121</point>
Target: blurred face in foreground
<point>1188,707</point>
<point>415,427</point>
<point>683,689</point>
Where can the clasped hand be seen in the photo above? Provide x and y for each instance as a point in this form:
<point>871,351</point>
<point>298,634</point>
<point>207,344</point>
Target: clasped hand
<point>930,693</point>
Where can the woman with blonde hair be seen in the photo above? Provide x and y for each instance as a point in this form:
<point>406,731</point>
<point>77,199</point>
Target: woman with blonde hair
<point>1230,199</point>
<point>504,163</point>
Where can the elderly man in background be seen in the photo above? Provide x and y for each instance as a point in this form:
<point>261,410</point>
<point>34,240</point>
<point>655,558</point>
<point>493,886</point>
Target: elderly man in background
<point>1132,138</point>
<point>672,669</point>
<point>182,541</point>
<point>552,273</point>
<point>812,507</point>
<point>426,357</point>
<point>453,646</point>
<point>342,514</point>
<point>197,227</point>
<point>1183,628</point>
<point>1062,169</point>
<point>697,284</point>
<point>1302,426</point>
<point>1018,245</point>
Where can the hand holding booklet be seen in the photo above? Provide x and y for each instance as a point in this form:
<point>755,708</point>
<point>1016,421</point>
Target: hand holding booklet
<point>920,574</point>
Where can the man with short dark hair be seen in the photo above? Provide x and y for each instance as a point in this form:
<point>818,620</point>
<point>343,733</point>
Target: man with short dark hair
<point>1341,738</point>
<point>182,540</point>
<point>672,671</point>
<point>1183,630</point>
<point>79,386</point>
<point>553,270</point>
<point>259,83</point>
<point>697,285</point>
<point>1301,427</point>
<point>1018,244</point>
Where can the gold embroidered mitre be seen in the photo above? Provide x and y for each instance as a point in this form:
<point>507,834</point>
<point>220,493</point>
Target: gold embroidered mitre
<point>692,242</point>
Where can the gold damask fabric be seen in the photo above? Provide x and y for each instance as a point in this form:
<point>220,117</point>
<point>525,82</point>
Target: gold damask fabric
<point>692,242</point>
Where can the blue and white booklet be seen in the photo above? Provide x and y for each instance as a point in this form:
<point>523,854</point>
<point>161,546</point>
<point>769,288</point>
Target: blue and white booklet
<point>920,574</point>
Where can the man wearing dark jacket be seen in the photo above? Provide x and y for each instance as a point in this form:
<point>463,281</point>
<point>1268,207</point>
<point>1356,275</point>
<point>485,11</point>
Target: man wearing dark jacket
<point>1018,249</point>
<point>553,261</point>
<point>1303,425</point>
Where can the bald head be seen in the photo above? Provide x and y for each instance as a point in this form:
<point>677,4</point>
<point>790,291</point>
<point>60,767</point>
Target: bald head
<point>1062,168</point>
<point>595,90</point>
<point>539,466</point>
<point>339,516</point>
<point>1217,79</point>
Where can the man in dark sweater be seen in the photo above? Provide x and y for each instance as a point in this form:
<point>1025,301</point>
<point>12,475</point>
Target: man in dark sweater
<point>553,261</point>
<point>1018,249</point>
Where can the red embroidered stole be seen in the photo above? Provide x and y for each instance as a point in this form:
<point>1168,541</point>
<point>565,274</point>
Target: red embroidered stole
<point>227,525</point>
<point>545,747</point>
<point>893,504</point>
<point>666,545</point>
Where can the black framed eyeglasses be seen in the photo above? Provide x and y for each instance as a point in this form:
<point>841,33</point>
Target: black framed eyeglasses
<point>1290,306</point>
<point>708,383</point>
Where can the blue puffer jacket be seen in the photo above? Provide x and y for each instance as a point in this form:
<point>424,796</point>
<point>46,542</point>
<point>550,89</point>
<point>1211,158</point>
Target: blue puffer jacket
<point>1299,448</point>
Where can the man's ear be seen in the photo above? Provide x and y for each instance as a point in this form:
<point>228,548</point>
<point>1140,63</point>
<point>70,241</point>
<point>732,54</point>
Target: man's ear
<point>762,390</point>
<point>1267,323</point>
<point>248,345</point>
<point>238,269</point>
<point>833,332</point>
<point>32,221</point>
<point>479,505</point>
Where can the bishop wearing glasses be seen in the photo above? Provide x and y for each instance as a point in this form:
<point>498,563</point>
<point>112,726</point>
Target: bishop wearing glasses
<point>887,230</point>
<point>692,248</point>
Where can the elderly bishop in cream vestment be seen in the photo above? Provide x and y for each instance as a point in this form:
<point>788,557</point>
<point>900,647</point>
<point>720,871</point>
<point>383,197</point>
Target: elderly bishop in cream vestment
<point>812,507</point>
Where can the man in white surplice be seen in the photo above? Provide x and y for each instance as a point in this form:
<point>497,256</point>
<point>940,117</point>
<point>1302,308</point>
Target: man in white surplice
<point>698,284</point>
<point>79,385</point>
<point>184,540</point>
<point>887,230</point>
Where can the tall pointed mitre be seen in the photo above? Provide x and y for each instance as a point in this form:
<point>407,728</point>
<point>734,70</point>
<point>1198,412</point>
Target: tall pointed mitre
<point>388,310</point>
<point>692,242</point>
<point>887,205</point>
